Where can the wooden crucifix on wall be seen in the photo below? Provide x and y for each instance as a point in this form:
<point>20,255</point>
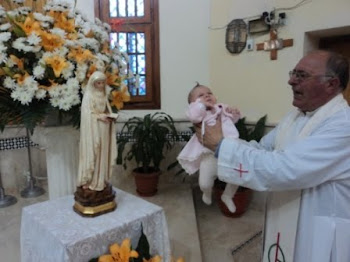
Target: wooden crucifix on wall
<point>274,44</point>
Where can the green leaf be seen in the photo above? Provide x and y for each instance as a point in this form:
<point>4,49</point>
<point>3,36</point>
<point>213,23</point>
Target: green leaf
<point>151,139</point>
<point>142,248</point>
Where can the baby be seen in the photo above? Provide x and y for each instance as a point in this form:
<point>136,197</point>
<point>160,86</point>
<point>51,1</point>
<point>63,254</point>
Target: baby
<point>203,108</point>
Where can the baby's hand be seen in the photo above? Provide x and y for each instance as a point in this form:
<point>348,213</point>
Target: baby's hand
<point>208,104</point>
<point>232,110</point>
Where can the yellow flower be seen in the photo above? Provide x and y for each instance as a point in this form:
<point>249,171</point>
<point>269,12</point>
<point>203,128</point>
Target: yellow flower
<point>153,259</point>
<point>113,78</point>
<point>80,55</point>
<point>119,97</point>
<point>57,63</point>
<point>64,23</point>
<point>21,78</point>
<point>17,61</point>
<point>29,25</point>
<point>50,41</point>
<point>91,70</point>
<point>119,253</point>
<point>105,48</point>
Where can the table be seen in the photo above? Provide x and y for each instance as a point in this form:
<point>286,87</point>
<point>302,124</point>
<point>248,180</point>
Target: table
<point>52,231</point>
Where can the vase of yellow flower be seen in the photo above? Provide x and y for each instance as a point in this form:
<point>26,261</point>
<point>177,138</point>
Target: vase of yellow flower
<point>46,59</point>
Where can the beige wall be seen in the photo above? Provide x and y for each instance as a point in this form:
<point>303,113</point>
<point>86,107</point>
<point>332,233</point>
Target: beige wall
<point>250,80</point>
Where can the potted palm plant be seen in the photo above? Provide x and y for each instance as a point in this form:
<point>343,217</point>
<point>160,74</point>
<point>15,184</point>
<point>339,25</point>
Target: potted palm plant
<point>149,136</point>
<point>243,195</point>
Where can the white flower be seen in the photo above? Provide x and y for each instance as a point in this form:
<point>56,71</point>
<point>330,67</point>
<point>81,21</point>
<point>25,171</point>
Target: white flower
<point>59,32</point>
<point>33,39</point>
<point>2,11</point>
<point>38,72</point>
<point>45,24</point>
<point>19,43</point>
<point>54,101</point>
<point>4,27</point>
<point>107,27</point>
<point>2,48</point>
<point>3,57</point>
<point>81,72</point>
<point>43,18</point>
<point>73,82</point>
<point>30,85</point>
<point>20,95</point>
<point>9,83</point>
<point>18,1</point>
<point>55,91</point>
<point>103,57</point>
<point>24,10</point>
<point>100,65</point>
<point>5,36</point>
<point>68,71</point>
<point>40,94</point>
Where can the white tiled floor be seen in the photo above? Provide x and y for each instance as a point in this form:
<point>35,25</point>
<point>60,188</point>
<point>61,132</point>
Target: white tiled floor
<point>198,232</point>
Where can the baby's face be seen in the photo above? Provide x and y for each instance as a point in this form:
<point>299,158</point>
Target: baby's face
<point>100,85</point>
<point>205,95</point>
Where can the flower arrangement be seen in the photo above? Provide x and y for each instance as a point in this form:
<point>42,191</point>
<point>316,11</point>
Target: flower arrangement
<point>46,59</point>
<point>124,252</point>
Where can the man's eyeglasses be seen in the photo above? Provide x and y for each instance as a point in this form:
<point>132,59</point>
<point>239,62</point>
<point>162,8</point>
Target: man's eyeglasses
<point>302,75</point>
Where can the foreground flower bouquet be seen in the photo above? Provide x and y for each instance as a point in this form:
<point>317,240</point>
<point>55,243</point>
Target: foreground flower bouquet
<point>46,59</point>
<point>124,252</point>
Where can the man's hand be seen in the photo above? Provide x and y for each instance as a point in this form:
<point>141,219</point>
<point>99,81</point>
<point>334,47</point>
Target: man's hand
<point>212,135</point>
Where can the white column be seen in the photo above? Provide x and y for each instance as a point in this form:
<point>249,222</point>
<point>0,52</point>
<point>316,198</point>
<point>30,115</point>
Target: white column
<point>62,157</point>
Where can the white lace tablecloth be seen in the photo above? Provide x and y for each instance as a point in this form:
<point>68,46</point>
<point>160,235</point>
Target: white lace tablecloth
<point>52,231</point>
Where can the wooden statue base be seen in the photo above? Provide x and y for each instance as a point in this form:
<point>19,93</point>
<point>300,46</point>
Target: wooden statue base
<point>90,203</point>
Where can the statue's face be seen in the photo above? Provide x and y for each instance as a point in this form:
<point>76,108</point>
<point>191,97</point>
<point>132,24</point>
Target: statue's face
<point>100,85</point>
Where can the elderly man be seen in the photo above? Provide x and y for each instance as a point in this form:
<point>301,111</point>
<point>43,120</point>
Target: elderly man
<point>309,150</point>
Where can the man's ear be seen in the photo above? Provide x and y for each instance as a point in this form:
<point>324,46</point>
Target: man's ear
<point>333,84</point>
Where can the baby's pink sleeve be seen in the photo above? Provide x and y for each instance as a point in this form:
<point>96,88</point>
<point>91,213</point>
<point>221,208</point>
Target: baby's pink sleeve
<point>196,111</point>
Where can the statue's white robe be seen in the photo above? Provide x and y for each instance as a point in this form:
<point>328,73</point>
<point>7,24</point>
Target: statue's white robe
<point>319,164</point>
<point>97,145</point>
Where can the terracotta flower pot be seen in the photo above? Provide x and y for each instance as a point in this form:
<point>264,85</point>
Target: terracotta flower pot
<point>146,183</point>
<point>241,199</point>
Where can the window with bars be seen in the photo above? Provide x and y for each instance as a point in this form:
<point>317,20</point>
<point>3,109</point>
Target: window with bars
<point>135,28</point>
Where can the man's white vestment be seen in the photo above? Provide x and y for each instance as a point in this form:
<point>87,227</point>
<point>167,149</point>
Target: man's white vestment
<point>305,151</point>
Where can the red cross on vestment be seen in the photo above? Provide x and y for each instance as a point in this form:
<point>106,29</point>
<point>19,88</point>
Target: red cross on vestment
<point>240,170</point>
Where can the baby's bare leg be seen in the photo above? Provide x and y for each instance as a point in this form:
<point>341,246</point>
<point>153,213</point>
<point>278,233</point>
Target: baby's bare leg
<point>207,175</point>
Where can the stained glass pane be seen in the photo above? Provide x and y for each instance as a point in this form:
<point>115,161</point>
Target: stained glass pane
<point>132,62</point>
<point>131,8</point>
<point>142,88</point>
<point>121,8</point>
<point>140,42</point>
<point>141,64</point>
<point>131,42</point>
<point>140,8</point>
<point>132,89</point>
<point>113,39</point>
<point>122,42</point>
<point>113,8</point>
